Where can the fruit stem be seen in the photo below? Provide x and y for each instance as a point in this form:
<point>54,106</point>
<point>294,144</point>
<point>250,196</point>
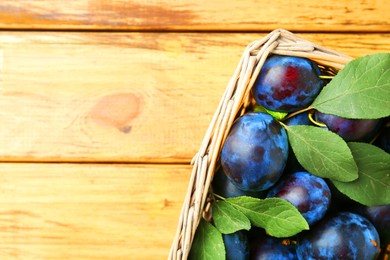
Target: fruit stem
<point>284,126</point>
<point>314,121</point>
<point>296,113</point>
<point>326,77</point>
<point>218,196</point>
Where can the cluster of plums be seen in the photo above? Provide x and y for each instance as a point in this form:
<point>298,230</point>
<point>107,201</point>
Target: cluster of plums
<point>256,161</point>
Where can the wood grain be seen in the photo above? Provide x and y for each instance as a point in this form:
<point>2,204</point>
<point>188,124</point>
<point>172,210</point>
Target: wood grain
<point>87,211</point>
<point>252,15</point>
<point>135,82</point>
<point>113,97</point>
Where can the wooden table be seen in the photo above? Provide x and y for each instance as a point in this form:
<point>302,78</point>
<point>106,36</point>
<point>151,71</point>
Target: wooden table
<point>104,103</point>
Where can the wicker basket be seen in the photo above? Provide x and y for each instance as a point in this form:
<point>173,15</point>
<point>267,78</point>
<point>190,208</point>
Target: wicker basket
<point>234,102</point>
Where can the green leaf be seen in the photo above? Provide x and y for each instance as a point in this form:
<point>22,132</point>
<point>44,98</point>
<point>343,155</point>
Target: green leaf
<point>360,90</point>
<point>207,244</point>
<point>277,216</point>
<point>277,115</point>
<point>274,114</point>
<point>227,219</point>
<point>322,152</point>
<point>372,188</point>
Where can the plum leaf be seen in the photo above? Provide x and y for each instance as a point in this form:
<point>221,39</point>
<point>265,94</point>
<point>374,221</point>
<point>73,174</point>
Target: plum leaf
<point>208,243</point>
<point>361,90</point>
<point>322,153</point>
<point>372,188</point>
<point>228,219</point>
<point>277,216</point>
<point>274,114</point>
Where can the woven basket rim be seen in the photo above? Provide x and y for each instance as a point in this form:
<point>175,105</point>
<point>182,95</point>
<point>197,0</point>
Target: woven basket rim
<point>233,103</point>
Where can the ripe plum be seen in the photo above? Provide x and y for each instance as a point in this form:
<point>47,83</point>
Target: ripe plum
<point>350,129</point>
<point>308,193</point>
<point>227,189</point>
<point>380,218</point>
<point>255,152</point>
<point>236,245</point>
<point>287,84</point>
<point>271,248</point>
<point>343,236</point>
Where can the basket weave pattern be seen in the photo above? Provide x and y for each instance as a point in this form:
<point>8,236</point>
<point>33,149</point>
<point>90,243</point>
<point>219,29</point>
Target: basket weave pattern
<point>234,102</point>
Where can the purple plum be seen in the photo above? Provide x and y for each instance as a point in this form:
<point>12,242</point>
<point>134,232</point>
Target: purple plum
<point>343,236</point>
<point>308,193</point>
<point>255,152</point>
<point>287,84</point>
<point>350,129</point>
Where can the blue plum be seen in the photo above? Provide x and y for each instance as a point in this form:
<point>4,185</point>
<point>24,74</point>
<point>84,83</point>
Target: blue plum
<point>350,129</point>
<point>380,218</point>
<point>255,152</point>
<point>224,187</point>
<point>271,248</point>
<point>236,245</point>
<point>343,236</point>
<point>308,193</point>
<point>287,84</point>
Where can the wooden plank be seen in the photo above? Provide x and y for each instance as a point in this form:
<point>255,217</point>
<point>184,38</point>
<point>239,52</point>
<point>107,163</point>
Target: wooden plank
<point>253,15</point>
<point>86,211</point>
<point>134,97</point>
